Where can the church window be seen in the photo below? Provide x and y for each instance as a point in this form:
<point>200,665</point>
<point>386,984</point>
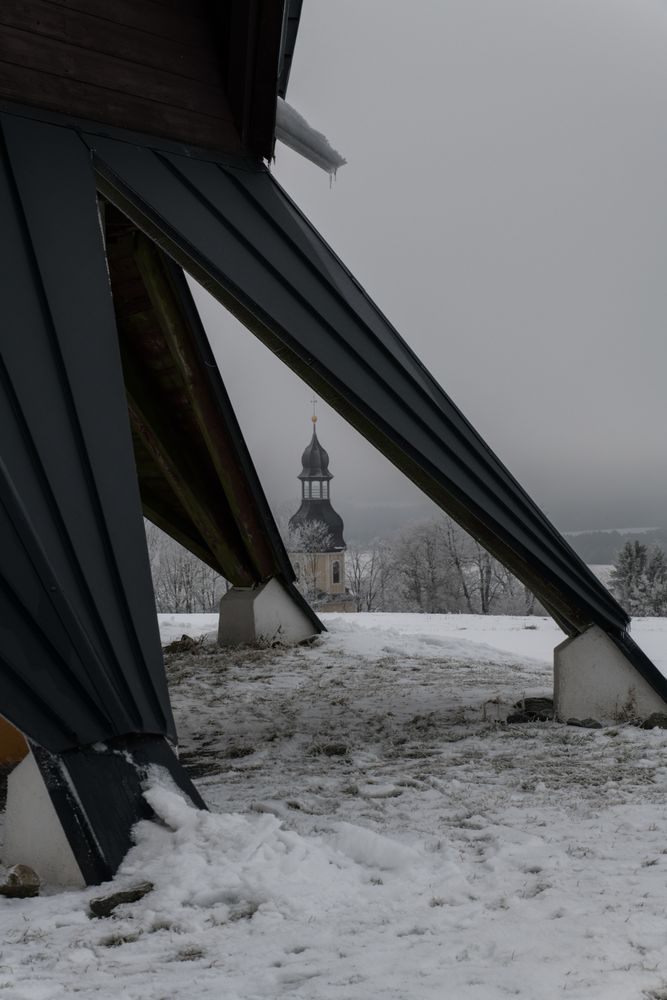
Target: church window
<point>315,487</point>
<point>297,570</point>
<point>325,491</point>
<point>335,572</point>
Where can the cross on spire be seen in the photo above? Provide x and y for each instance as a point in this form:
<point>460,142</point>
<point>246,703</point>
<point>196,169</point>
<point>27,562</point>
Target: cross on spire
<point>314,416</point>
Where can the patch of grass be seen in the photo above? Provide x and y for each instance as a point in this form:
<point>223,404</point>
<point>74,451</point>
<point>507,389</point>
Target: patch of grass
<point>244,911</point>
<point>116,940</point>
<point>190,954</point>
<point>628,710</point>
<point>234,752</point>
<point>328,750</point>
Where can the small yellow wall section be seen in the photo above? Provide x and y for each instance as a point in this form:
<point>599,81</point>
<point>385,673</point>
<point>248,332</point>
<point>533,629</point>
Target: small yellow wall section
<point>318,567</point>
<point>13,746</point>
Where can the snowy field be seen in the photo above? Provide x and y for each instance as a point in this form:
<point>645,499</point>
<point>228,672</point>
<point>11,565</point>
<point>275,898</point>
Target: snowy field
<point>377,831</point>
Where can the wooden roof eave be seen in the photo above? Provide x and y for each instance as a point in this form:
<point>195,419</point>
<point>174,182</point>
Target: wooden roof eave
<point>253,34</point>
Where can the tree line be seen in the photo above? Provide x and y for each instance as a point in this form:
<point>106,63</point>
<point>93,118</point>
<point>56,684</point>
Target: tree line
<point>438,567</point>
<point>182,583</point>
<point>639,579</point>
<point>434,567</point>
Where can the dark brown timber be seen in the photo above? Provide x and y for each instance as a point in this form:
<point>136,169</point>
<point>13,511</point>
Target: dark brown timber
<point>190,457</point>
<point>201,73</point>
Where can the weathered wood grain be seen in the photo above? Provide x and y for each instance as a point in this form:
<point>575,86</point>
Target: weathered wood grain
<point>188,23</point>
<point>196,62</point>
<point>84,100</point>
<point>74,62</point>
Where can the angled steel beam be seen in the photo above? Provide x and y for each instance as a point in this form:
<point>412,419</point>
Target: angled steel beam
<point>68,477</point>
<point>196,477</point>
<point>80,661</point>
<point>242,237</point>
<point>237,232</point>
<point>69,505</point>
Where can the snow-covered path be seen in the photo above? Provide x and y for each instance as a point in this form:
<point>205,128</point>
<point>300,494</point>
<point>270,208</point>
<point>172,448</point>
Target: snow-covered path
<point>376,832</point>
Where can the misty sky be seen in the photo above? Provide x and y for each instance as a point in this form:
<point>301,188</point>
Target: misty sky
<point>505,205</point>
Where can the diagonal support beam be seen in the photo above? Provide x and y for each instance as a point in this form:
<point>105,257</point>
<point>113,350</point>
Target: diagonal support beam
<point>235,230</point>
<point>238,233</point>
<point>223,441</point>
<point>81,667</point>
<point>196,476</point>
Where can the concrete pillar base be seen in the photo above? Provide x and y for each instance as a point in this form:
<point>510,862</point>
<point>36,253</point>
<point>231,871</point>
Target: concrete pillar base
<point>33,834</point>
<point>264,614</point>
<point>592,679</point>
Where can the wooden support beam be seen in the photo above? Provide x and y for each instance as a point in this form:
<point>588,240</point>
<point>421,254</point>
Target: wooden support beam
<point>151,422</point>
<point>221,437</point>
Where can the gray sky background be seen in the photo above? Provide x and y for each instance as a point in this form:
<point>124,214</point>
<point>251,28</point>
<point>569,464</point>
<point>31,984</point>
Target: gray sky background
<point>505,205</point>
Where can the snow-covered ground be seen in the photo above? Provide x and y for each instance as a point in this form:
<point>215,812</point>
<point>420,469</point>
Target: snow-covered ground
<point>376,832</point>
<point>530,636</point>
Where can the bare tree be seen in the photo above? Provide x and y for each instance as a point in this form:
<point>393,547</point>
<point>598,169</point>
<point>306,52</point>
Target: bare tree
<point>422,567</point>
<point>355,572</point>
<point>514,597</point>
<point>488,576</point>
<point>639,579</point>
<point>182,582</point>
<point>457,545</point>
<point>442,568</point>
<point>155,539</point>
<point>304,544</point>
<point>370,575</point>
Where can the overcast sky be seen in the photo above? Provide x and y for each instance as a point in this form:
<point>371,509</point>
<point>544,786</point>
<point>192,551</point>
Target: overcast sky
<point>505,204</point>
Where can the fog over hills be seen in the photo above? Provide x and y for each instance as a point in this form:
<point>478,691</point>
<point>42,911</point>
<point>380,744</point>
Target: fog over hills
<point>503,203</point>
<point>602,547</point>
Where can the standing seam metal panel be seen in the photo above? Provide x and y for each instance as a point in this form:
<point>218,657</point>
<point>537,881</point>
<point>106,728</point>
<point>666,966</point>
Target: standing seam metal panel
<point>80,652</point>
<point>244,233</point>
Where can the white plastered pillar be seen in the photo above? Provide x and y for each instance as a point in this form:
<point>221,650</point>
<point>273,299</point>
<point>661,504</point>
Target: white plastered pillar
<point>265,614</point>
<point>33,833</point>
<point>593,679</point>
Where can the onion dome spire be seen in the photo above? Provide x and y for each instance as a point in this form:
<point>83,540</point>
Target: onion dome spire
<point>315,492</point>
<point>315,460</point>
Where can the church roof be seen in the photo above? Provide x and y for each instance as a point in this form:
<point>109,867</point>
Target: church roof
<point>315,460</point>
<point>316,512</point>
<point>316,509</point>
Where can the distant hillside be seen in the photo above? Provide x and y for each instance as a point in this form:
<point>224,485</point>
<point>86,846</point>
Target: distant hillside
<point>602,547</point>
<point>365,522</point>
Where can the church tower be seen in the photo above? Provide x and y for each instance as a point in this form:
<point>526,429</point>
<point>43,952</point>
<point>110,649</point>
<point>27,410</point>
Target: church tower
<point>316,531</point>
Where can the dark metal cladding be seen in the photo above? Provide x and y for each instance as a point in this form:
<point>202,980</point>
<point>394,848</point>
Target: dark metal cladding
<point>80,659</point>
<point>239,234</point>
<point>196,477</point>
<point>315,461</point>
<point>97,793</point>
<point>316,501</point>
<point>320,512</point>
<point>292,17</point>
<point>80,656</point>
